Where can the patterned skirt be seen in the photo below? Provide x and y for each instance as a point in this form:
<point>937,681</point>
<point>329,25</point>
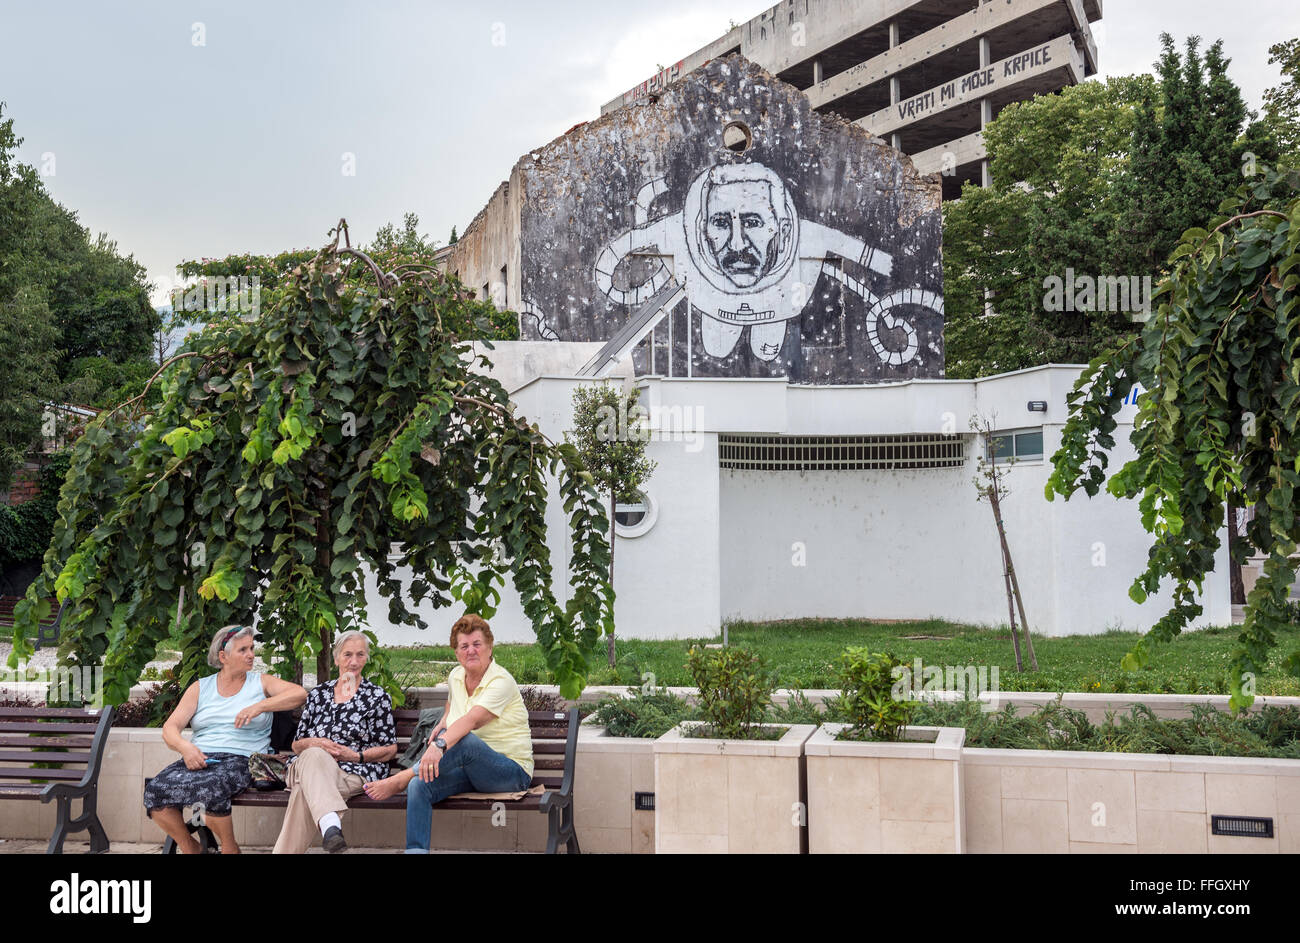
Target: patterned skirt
<point>212,787</point>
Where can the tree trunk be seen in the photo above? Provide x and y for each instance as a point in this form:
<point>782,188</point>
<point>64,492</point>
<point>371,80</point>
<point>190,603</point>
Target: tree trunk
<point>1020,605</point>
<point>609,642</point>
<point>1234,569</point>
<point>325,657</point>
<point>992,493</point>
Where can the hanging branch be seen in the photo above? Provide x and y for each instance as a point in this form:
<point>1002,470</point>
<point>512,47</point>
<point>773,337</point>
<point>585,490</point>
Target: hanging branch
<point>269,504</point>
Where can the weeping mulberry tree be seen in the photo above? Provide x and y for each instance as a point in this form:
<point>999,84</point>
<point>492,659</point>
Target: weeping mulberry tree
<point>341,431</point>
<point>1217,423</point>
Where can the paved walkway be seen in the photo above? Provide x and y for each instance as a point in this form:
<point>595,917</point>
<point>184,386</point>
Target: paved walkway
<point>30,846</point>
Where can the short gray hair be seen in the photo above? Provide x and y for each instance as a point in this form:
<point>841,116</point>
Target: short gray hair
<point>220,642</point>
<point>348,636</point>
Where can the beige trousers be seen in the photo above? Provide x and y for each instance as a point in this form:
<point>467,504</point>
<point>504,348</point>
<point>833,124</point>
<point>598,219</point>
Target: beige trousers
<point>316,787</point>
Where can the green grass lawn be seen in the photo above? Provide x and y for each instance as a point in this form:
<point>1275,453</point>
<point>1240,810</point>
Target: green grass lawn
<point>805,653</point>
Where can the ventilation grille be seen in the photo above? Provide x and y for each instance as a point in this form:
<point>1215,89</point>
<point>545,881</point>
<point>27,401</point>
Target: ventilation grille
<point>841,453</point>
<point>1243,826</point>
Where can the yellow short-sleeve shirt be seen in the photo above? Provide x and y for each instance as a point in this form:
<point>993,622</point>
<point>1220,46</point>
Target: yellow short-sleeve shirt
<point>497,693</point>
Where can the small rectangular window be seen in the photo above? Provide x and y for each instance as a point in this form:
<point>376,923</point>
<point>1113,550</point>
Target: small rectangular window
<point>1029,445</point>
<point>1022,445</point>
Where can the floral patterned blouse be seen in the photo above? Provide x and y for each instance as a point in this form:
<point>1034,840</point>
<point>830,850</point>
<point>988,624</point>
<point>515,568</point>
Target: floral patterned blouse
<point>364,721</point>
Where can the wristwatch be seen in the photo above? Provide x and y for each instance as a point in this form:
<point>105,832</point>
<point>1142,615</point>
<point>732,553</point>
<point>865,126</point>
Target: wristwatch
<point>361,755</point>
<point>440,743</point>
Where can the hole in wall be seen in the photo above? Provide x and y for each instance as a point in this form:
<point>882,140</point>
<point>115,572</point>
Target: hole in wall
<point>737,137</point>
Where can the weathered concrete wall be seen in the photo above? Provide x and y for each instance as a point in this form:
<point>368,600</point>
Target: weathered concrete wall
<point>489,244</point>
<point>814,254</point>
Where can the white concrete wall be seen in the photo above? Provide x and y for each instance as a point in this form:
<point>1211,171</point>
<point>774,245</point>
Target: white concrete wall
<point>908,544</point>
<point>887,544</point>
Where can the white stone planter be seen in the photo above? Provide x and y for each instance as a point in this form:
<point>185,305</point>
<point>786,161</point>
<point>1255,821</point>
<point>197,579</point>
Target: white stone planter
<point>886,797</point>
<point>730,796</point>
<point>610,772</point>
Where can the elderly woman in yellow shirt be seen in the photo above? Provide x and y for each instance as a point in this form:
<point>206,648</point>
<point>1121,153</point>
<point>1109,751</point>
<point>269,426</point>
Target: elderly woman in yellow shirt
<point>482,742</point>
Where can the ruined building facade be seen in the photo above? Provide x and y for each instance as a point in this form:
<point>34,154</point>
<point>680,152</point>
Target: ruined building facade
<point>927,75</point>
<point>724,229</point>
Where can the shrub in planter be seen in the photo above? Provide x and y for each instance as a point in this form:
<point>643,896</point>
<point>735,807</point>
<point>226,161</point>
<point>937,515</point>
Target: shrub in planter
<point>643,713</point>
<point>735,690</point>
<point>535,699</point>
<point>869,703</point>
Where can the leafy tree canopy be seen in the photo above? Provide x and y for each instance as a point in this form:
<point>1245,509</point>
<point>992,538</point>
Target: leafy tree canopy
<point>1100,179</point>
<point>393,250</point>
<point>342,430</point>
<point>1217,423</point>
<point>1282,104</point>
<point>64,296</point>
<point>1052,206</point>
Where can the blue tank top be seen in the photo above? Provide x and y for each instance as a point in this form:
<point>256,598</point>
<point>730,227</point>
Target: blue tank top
<point>214,721</point>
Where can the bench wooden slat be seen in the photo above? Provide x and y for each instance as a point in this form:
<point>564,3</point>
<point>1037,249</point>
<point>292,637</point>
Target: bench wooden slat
<point>31,740</point>
<point>52,728</point>
<point>21,790</point>
<point>477,805</point>
<point>63,713</point>
<point>27,772</point>
<point>35,757</point>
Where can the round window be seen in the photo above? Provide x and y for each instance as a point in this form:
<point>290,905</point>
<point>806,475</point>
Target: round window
<point>636,517</point>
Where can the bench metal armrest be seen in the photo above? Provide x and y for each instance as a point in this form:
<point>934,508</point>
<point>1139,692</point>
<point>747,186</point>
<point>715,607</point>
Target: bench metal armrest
<point>563,797</point>
<point>88,778</point>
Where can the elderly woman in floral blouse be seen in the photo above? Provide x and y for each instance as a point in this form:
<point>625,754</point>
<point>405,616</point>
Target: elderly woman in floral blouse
<point>345,739</point>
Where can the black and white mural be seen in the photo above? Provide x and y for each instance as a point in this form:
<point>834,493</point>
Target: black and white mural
<point>805,249</point>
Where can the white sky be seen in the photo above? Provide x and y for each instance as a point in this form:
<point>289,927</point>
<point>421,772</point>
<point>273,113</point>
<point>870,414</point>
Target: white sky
<point>181,151</point>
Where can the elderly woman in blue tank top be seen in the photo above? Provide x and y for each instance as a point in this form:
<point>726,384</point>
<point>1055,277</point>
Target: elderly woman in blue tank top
<point>230,713</point>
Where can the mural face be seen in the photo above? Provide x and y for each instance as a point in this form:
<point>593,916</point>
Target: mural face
<point>743,231</point>
<point>813,255</point>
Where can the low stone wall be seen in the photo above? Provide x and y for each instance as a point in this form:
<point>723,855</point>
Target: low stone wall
<point>1064,802</point>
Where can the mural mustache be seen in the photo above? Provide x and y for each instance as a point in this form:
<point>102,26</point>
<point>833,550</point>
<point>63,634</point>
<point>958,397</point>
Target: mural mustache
<point>745,261</point>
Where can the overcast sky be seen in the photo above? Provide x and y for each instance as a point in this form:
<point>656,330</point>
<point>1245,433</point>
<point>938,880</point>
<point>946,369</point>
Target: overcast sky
<point>181,150</point>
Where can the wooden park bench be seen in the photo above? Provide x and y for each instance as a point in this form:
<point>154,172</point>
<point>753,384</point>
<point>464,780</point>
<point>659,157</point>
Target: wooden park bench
<point>555,749</point>
<point>72,737</point>
<point>47,632</point>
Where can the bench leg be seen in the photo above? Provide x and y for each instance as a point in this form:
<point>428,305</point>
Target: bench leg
<point>572,843</point>
<point>89,820</point>
<point>202,834</point>
<point>561,829</point>
<point>64,814</point>
<point>98,837</point>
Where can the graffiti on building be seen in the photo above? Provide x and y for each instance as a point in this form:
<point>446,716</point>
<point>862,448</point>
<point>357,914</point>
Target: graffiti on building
<point>776,242</point>
<point>743,255</point>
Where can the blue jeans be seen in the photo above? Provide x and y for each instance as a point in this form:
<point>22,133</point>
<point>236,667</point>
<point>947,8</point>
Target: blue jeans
<point>470,765</point>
